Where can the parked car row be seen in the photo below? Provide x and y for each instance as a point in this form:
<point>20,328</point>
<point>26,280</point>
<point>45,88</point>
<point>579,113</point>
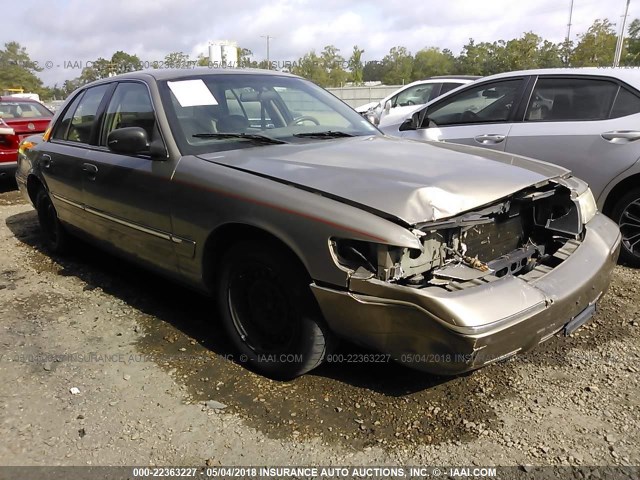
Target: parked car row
<point>587,120</point>
<point>307,224</point>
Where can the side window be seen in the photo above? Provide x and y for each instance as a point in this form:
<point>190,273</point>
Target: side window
<point>130,106</point>
<point>626,103</point>
<point>488,103</point>
<point>62,127</point>
<point>570,99</point>
<point>416,95</point>
<point>84,117</point>
<point>447,87</point>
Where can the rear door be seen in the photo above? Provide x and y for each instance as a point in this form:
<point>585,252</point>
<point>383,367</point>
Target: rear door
<point>481,115</point>
<point>590,125</point>
<point>61,159</point>
<point>130,196</point>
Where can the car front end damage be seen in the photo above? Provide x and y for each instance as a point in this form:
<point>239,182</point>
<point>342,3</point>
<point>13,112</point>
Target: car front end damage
<point>483,286</point>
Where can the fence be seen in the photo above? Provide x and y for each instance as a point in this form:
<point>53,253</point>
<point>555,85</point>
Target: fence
<point>356,96</point>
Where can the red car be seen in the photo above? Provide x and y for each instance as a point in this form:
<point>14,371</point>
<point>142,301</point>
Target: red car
<point>19,118</point>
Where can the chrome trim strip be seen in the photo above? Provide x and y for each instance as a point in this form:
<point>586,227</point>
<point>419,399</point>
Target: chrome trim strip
<point>188,247</point>
<point>135,226</point>
<point>67,201</point>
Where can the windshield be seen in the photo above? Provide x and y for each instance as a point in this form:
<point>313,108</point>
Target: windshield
<point>215,112</point>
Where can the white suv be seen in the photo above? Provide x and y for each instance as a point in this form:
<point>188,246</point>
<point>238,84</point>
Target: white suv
<point>407,97</point>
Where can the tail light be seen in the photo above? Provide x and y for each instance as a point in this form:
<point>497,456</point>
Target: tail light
<point>5,129</point>
<point>8,137</point>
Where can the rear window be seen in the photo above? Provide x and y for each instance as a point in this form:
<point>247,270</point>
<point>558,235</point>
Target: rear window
<point>626,103</point>
<point>11,110</point>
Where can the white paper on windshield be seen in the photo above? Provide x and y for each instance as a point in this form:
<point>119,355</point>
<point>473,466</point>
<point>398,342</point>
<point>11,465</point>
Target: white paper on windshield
<point>190,93</point>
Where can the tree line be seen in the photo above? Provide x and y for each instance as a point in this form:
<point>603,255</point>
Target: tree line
<point>329,68</point>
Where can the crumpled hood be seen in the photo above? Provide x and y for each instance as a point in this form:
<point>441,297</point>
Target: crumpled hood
<point>412,181</point>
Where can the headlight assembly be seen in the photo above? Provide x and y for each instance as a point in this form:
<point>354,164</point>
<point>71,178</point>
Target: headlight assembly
<point>587,204</point>
<point>381,260</point>
<point>389,262</point>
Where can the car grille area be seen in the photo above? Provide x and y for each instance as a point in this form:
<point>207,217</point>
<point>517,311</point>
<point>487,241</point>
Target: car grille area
<point>495,239</point>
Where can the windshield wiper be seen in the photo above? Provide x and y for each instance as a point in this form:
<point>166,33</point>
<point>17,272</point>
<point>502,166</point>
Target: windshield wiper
<point>254,137</point>
<point>327,134</point>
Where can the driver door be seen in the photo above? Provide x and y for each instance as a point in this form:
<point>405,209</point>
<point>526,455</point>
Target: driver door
<point>130,196</point>
<point>480,116</point>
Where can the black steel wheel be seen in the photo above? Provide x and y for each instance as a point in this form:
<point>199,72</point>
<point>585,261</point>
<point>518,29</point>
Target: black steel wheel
<point>269,312</point>
<point>627,215</point>
<point>54,235</point>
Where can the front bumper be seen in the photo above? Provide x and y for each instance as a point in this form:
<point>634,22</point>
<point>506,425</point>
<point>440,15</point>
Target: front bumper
<point>444,332</point>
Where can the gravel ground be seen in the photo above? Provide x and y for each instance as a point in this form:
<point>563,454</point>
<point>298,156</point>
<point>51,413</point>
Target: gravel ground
<point>152,368</point>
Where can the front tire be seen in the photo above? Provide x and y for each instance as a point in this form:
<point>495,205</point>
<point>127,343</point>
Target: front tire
<point>626,213</point>
<point>269,312</point>
<point>56,238</point>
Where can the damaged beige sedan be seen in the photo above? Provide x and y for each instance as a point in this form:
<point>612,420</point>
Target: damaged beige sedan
<point>306,224</point>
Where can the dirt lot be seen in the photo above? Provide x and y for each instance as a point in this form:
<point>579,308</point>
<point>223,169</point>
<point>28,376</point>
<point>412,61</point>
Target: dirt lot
<point>147,356</point>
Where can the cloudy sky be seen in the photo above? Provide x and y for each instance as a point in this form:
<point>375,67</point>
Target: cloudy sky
<point>60,31</point>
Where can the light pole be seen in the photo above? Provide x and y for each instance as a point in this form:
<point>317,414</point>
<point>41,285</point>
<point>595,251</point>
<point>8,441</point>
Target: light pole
<point>620,43</point>
<point>569,24</point>
<point>268,38</point>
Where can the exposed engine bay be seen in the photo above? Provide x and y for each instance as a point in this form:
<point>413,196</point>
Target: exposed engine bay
<point>533,229</point>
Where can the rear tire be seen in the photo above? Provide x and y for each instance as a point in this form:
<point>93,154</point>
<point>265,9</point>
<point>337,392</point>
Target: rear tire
<point>56,238</point>
<point>269,312</point>
<point>626,213</point>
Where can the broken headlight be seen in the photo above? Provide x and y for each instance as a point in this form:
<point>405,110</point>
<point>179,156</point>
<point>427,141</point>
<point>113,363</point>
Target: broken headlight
<point>388,262</point>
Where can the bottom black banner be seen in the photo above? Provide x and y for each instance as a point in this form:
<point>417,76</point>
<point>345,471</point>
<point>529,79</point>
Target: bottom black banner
<point>318,472</point>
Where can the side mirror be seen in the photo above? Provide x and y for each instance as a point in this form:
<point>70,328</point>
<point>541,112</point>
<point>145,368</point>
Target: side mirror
<point>128,140</point>
<point>411,123</point>
<point>387,106</point>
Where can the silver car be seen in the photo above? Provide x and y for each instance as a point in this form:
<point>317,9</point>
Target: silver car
<point>587,120</point>
<point>306,224</point>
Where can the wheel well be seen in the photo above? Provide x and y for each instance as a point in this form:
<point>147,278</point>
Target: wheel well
<point>225,236</point>
<point>33,187</point>
<point>618,191</point>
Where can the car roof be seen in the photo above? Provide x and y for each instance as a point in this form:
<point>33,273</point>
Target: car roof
<point>462,78</point>
<point>161,74</point>
<point>627,75</point>
<point>454,77</point>
<point>8,98</point>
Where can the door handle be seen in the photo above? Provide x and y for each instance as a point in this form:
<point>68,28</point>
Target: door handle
<point>489,139</point>
<point>90,168</point>
<point>621,136</point>
<point>46,161</point>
